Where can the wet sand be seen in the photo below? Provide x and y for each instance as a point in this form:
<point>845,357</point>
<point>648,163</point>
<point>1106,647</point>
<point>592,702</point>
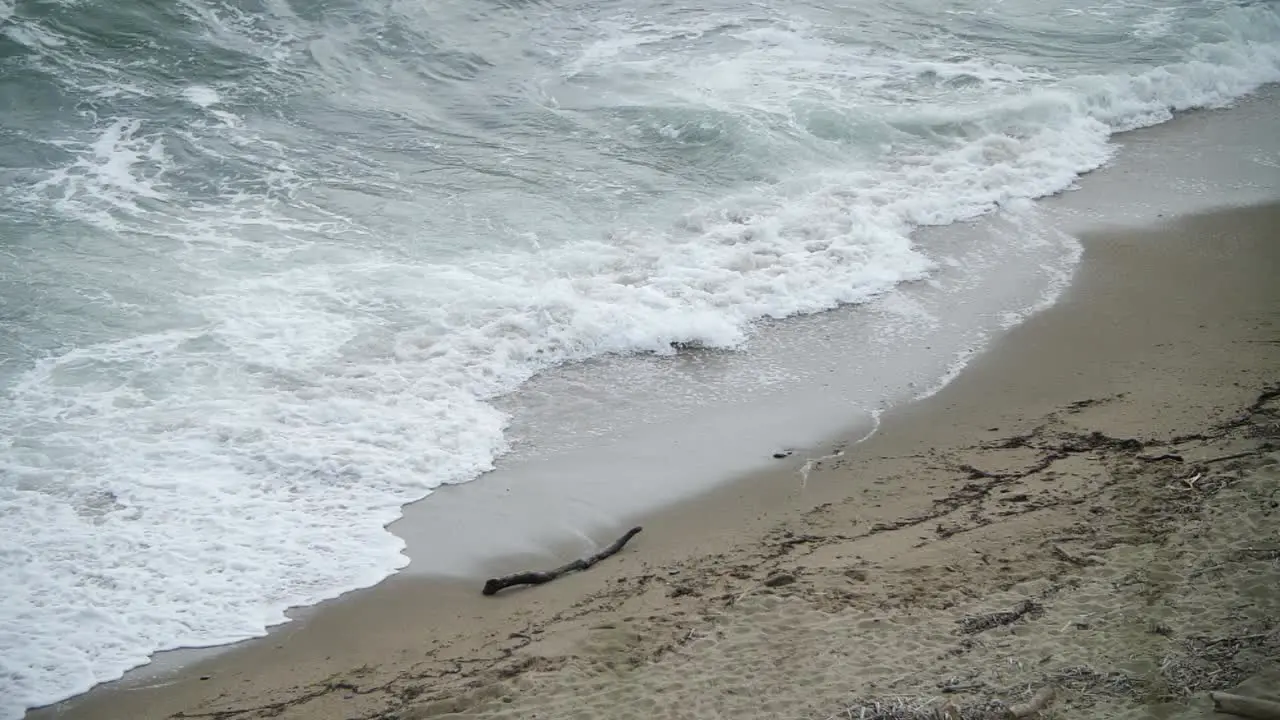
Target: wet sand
<point>1090,507</point>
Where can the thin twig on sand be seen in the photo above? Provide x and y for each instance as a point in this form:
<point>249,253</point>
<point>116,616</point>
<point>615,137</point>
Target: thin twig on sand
<point>972,624</point>
<point>495,585</point>
<point>1061,554</point>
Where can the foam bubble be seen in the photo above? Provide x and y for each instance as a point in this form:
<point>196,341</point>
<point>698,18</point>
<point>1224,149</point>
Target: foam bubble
<point>201,95</point>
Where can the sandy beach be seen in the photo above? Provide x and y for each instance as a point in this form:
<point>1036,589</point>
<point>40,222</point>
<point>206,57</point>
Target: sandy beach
<point>1089,508</point>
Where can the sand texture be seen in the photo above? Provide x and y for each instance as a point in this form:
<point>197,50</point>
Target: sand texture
<point>1123,573</point>
<point>1085,524</point>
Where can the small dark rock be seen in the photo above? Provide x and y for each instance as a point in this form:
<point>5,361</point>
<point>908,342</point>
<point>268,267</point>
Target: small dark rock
<point>780,580</point>
<point>856,574</point>
<point>206,677</point>
<point>1020,497</point>
<point>781,454</point>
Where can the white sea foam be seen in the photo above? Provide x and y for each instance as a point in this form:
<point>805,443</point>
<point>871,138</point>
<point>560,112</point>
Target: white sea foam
<point>186,485</point>
<point>119,169</point>
<point>201,95</point>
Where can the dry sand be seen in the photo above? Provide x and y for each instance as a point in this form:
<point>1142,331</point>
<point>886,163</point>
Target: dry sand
<point>1092,507</point>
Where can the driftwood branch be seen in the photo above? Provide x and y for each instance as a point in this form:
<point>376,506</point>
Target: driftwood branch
<point>1061,554</point>
<point>495,585</point>
<point>972,624</point>
<point>1245,707</point>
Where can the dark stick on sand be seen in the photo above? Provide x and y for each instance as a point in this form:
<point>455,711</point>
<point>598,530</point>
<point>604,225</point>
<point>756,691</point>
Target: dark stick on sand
<point>493,586</point>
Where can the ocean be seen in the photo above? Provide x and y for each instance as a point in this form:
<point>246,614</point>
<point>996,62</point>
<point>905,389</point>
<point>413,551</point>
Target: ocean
<point>272,269</point>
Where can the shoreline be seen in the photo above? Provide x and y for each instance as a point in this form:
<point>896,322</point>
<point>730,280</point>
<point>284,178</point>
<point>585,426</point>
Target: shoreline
<point>365,623</point>
<point>1183,349</point>
<point>302,301</point>
<point>1227,164</point>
